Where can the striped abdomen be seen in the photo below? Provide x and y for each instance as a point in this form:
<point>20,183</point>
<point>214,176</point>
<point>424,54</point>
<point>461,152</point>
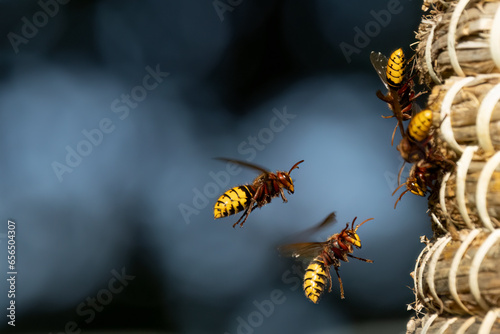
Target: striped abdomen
<point>420,125</point>
<point>395,71</point>
<point>233,201</point>
<point>315,279</point>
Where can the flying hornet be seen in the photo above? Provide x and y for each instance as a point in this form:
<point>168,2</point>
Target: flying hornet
<point>250,196</point>
<point>401,96</point>
<point>323,255</point>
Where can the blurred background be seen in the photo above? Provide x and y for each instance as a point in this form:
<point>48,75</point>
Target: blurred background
<point>111,113</point>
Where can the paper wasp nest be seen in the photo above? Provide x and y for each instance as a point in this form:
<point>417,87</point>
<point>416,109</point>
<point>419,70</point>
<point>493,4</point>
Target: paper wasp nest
<point>457,275</point>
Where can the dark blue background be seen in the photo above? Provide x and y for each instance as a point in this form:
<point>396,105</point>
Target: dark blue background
<point>120,208</point>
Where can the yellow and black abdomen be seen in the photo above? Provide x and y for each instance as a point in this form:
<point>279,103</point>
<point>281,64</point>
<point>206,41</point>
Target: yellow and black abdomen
<point>315,279</point>
<point>396,66</point>
<point>420,125</point>
<point>233,201</point>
